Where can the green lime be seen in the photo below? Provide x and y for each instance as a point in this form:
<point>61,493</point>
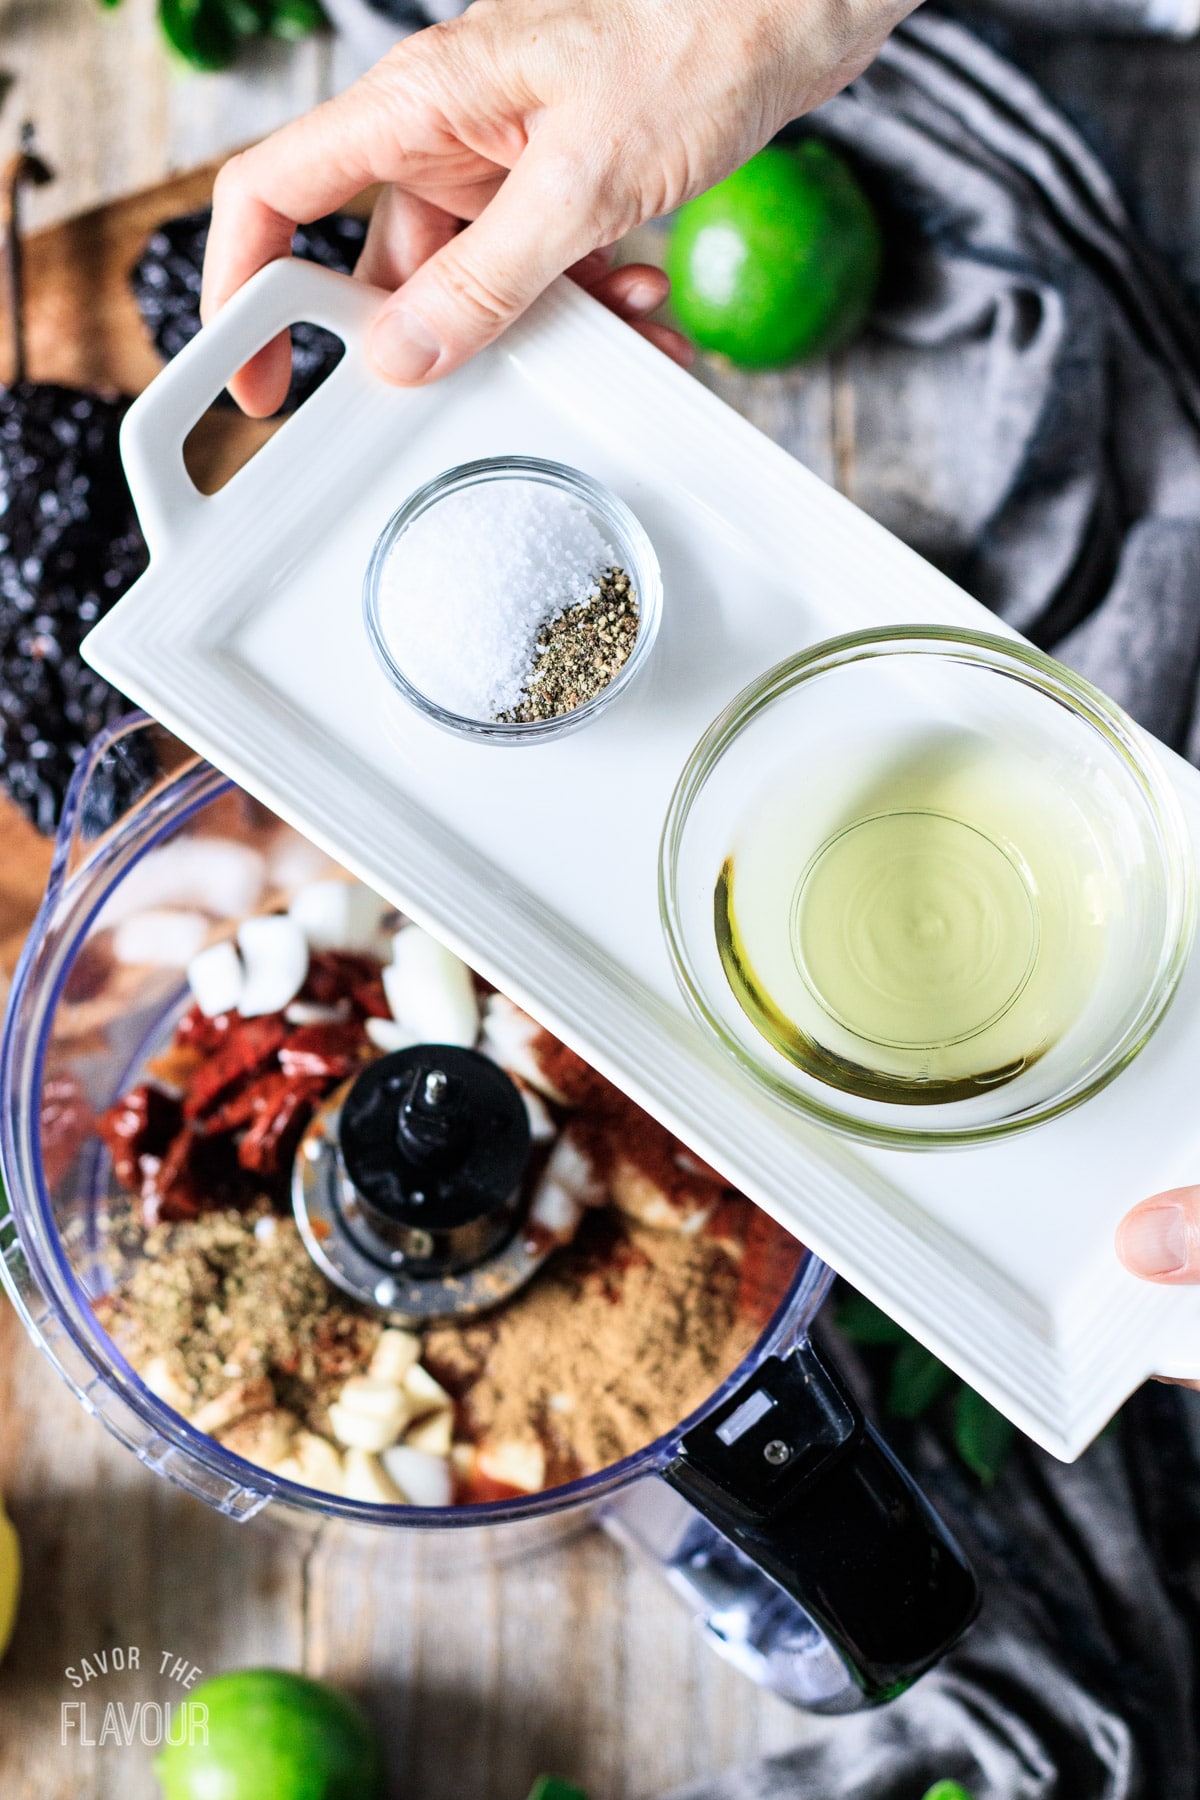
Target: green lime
<point>779,261</point>
<point>272,1733</point>
<point>946,1790</point>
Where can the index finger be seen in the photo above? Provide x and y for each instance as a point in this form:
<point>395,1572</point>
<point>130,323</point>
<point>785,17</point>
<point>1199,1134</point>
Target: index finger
<point>299,173</point>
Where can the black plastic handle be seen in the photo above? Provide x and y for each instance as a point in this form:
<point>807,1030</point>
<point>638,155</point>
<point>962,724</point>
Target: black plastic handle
<point>790,1471</point>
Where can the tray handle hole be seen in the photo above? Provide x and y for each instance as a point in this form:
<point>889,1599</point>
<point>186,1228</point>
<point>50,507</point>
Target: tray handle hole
<point>223,440</point>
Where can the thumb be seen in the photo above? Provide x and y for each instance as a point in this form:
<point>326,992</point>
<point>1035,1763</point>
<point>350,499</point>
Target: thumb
<point>540,220</point>
<point>1160,1239</point>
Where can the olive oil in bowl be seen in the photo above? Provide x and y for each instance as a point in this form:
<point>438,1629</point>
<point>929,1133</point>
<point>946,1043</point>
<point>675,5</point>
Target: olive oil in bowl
<point>915,929</point>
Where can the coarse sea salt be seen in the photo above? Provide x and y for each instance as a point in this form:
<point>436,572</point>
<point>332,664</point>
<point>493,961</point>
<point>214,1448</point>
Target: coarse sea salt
<point>468,587</point>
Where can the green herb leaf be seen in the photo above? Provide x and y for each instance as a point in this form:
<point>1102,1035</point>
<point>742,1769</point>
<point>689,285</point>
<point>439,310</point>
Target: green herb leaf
<point>864,1323</point>
<point>200,31</point>
<point>295,19</point>
<point>982,1436</point>
<point>946,1790</point>
<point>553,1787</point>
<point>917,1378</point>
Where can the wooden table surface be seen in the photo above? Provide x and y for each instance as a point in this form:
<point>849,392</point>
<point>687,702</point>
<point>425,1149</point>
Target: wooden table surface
<point>574,1659</point>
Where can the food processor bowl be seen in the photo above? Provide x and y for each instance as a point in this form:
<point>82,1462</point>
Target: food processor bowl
<point>856,720</point>
<point>809,1556</point>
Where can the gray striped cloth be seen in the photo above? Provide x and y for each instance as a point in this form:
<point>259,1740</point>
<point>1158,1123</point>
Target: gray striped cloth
<point>372,26</point>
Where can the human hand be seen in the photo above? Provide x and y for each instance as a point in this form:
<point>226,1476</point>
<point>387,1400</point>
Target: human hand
<point>552,127</point>
<point>1160,1240</point>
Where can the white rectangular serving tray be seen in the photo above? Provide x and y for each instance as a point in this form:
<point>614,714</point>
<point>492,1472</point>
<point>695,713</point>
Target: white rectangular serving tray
<point>539,865</point>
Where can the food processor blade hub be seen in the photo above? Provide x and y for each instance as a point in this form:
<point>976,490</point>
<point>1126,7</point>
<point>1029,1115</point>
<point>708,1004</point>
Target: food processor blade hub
<point>409,1185</point>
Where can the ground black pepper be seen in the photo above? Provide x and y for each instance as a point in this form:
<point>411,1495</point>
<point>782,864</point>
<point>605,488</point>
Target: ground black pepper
<point>580,652</point>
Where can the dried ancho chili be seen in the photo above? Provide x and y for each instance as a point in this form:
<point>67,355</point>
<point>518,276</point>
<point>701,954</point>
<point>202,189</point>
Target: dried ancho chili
<point>166,285</point>
<point>69,548</point>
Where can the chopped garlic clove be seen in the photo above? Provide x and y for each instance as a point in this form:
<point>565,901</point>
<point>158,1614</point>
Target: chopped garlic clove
<point>387,1036</point>
<point>161,939</point>
<point>215,978</point>
<point>425,1480</point>
<point>262,1438</point>
<point>430,990</point>
<point>424,1394</point>
<point>509,1038</point>
<point>357,1432</point>
<point>158,1377</point>
<point>395,1354</point>
<point>432,1434</point>
<point>635,1193</point>
<point>275,959</point>
<point>365,1478</point>
<point>517,1462</point>
<point>569,1183</point>
<point>369,1414</point>
<point>340,915</point>
<point>542,1129</point>
<point>313,1463</point>
<point>462,1460</point>
<point>253,1395</point>
<point>555,1211</point>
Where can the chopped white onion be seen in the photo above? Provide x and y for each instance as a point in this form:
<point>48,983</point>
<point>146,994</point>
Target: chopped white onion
<point>215,978</point>
<point>341,915</point>
<point>169,940</point>
<point>387,1036</point>
<point>430,990</point>
<point>216,875</point>
<point>275,960</point>
<point>424,1480</point>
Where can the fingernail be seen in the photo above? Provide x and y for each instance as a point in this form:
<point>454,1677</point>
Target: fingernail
<point>643,296</point>
<point>403,346</point>
<point>1154,1240</point>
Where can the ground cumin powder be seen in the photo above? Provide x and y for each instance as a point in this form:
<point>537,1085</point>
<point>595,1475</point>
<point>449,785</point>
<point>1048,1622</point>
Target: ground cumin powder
<point>621,1336</point>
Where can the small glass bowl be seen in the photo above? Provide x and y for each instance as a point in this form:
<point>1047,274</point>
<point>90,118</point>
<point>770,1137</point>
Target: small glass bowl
<point>631,545</point>
<point>887,689</point>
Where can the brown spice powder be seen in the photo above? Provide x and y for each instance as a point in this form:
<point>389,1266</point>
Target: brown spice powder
<point>622,1335</point>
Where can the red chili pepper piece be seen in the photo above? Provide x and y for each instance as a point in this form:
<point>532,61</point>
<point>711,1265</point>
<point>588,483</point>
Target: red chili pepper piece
<point>245,1103</point>
<point>142,1123</point>
<point>323,1052</point>
<point>334,974</point>
<point>199,1032</point>
<point>369,999</point>
<point>197,1174</point>
<point>248,1046</point>
<point>269,1145</point>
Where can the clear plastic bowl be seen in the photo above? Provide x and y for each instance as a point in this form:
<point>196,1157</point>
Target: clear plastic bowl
<point>633,550</point>
<point>78,1032</point>
<point>883,690</point>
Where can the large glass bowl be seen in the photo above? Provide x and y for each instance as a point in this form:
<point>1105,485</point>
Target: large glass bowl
<point>808,720</point>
